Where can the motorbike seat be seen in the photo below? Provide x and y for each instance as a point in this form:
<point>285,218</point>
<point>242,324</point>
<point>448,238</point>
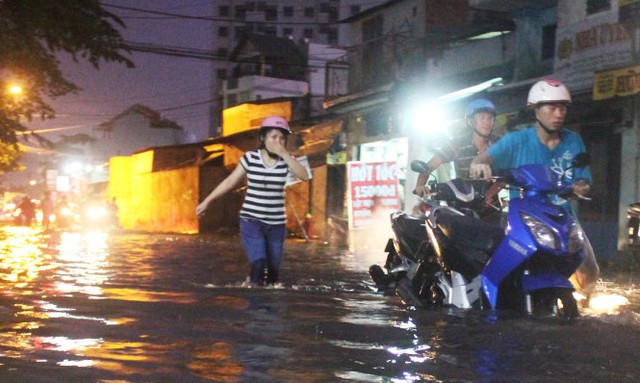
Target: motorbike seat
<point>410,233</point>
<point>469,232</point>
<point>411,227</point>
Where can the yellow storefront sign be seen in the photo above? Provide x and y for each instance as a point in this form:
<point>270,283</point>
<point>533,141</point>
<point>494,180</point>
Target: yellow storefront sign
<point>622,3</point>
<point>248,116</point>
<point>618,82</point>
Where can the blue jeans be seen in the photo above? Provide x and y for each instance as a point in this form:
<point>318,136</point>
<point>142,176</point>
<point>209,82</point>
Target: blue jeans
<point>262,241</point>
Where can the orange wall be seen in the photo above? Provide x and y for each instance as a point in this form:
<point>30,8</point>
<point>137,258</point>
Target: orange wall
<point>163,201</point>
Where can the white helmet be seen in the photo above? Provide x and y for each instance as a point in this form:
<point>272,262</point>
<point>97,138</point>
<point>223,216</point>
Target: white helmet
<point>275,122</point>
<point>546,91</point>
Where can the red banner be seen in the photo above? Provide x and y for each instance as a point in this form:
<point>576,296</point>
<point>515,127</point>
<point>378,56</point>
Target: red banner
<point>373,191</point>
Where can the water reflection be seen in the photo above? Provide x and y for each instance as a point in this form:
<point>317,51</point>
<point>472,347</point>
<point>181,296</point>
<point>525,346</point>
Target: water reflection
<point>22,259</point>
<point>83,265</point>
<point>169,308</point>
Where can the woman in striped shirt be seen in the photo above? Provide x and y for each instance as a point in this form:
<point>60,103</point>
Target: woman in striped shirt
<point>262,216</point>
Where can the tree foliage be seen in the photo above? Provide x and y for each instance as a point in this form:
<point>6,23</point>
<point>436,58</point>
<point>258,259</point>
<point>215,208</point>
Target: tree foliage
<point>32,35</point>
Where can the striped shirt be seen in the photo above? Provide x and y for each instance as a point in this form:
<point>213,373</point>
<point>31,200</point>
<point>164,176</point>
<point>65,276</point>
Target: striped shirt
<point>264,200</point>
<point>461,151</point>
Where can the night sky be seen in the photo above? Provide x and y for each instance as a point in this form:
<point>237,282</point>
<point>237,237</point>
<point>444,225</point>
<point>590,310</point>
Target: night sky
<point>178,87</point>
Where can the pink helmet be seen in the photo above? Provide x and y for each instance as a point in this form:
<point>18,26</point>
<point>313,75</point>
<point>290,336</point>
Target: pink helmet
<point>548,90</point>
<point>275,122</point>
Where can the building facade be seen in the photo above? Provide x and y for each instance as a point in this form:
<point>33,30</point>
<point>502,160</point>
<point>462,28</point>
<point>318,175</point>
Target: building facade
<point>436,55</point>
<point>314,21</point>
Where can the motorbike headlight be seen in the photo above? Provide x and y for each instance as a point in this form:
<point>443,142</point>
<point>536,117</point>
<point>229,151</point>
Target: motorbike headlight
<point>96,212</point>
<point>542,233</point>
<point>576,239</point>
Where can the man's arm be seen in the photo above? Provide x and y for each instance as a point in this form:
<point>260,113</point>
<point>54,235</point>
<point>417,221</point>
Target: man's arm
<point>421,188</point>
<point>481,166</point>
<point>581,188</point>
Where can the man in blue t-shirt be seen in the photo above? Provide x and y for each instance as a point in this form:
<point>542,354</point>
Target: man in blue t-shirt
<point>549,143</point>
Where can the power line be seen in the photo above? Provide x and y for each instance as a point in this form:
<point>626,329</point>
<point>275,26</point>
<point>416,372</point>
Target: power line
<point>196,53</point>
<point>211,18</point>
<point>190,105</point>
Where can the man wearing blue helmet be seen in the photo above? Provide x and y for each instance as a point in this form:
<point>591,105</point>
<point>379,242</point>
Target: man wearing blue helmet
<point>480,116</point>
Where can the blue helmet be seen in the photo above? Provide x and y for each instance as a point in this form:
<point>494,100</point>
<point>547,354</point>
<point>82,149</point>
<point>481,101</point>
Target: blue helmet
<point>479,105</point>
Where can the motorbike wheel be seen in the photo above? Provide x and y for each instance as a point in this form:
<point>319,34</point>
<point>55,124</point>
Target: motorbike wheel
<point>430,292</point>
<point>569,304</point>
<point>379,277</point>
<point>550,299</point>
<point>405,291</point>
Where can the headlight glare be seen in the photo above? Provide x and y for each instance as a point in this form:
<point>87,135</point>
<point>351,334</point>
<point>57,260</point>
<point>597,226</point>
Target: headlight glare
<point>542,233</point>
<point>576,239</point>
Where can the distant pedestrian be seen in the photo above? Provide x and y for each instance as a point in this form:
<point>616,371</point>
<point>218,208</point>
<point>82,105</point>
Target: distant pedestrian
<point>263,214</point>
<point>48,208</point>
<point>27,211</point>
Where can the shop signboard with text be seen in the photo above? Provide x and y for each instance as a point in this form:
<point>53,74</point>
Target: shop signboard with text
<point>595,44</point>
<point>373,192</point>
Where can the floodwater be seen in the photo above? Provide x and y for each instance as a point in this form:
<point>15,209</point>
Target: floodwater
<point>125,307</point>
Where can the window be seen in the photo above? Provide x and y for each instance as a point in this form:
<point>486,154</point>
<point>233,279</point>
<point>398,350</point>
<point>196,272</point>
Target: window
<point>308,33</point>
<point>238,33</point>
<point>372,28</point>
<point>332,36</point>
<point>221,74</point>
<point>250,6</point>
<point>372,66</point>
<point>595,6</point>
<point>222,52</point>
<point>308,12</point>
<point>223,31</point>
<point>333,14</point>
<point>286,32</point>
<point>548,41</point>
<point>271,14</point>
<point>223,10</point>
<point>287,11</point>
<point>240,12</point>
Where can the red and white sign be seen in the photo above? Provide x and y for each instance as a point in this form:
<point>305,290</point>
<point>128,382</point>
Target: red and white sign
<point>373,191</point>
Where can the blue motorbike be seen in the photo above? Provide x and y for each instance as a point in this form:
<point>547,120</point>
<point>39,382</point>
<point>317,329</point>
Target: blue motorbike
<point>523,265</point>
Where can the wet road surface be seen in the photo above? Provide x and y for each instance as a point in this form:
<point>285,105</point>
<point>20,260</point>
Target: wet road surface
<point>123,307</point>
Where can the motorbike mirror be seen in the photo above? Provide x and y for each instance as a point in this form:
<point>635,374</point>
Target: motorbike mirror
<point>581,160</point>
<point>419,166</point>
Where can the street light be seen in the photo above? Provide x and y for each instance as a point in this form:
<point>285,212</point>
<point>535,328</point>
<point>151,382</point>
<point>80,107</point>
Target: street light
<point>14,89</point>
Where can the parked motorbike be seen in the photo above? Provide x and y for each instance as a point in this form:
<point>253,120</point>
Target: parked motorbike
<point>413,263</point>
<point>524,266</point>
<point>633,226</point>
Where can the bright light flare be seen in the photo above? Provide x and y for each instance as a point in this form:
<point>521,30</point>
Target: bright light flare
<point>607,303</point>
<point>426,118</point>
<point>96,212</point>
<point>462,93</point>
<point>73,168</point>
<point>14,89</point>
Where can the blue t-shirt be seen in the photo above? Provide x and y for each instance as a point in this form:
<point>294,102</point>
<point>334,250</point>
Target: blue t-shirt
<point>523,147</point>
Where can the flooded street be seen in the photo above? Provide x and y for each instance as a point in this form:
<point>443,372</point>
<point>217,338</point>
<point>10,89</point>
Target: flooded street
<point>116,308</point>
